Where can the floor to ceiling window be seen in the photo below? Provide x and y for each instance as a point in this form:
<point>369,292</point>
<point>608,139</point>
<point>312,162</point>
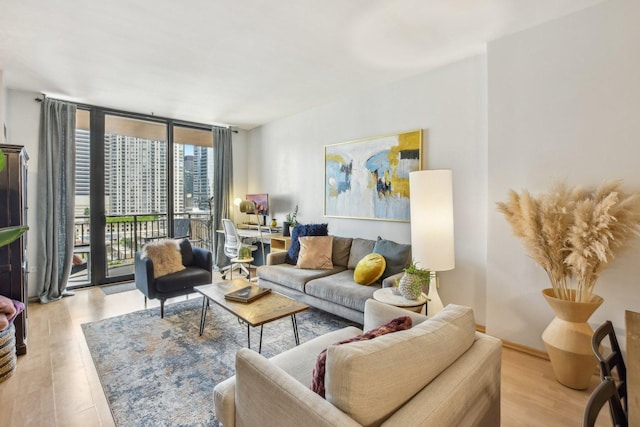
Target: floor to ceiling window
<point>138,179</point>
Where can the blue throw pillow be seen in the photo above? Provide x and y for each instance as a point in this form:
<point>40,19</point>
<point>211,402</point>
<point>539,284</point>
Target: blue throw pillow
<point>397,256</point>
<point>302,230</point>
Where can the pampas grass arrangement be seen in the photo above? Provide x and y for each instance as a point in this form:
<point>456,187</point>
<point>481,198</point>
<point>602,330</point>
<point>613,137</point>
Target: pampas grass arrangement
<point>573,233</point>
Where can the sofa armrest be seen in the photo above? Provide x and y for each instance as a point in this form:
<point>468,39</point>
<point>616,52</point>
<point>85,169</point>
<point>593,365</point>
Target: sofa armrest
<point>203,258</point>
<point>143,276</point>
<point>274,258</point>
<point>467,393</point>
<point>265,395</point>
<point>224,403</point>
<point>377,313</point>
<point>391,280</point>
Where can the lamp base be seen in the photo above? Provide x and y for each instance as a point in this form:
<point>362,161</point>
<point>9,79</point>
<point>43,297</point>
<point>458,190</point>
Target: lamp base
<point>434,305</point>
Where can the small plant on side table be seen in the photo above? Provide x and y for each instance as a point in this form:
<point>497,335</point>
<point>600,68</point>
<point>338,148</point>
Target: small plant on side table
<point>413,281</point>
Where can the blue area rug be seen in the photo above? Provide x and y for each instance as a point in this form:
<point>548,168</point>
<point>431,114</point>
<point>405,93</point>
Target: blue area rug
<point>159,372</point>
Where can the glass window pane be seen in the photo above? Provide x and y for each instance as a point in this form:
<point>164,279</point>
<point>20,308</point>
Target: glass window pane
<point>192,184</point>
<point>135,189</point>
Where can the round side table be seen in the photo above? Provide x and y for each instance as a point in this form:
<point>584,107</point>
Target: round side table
<point>387,296</point>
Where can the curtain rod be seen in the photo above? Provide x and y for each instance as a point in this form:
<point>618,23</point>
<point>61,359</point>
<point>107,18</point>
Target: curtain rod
<point>112,110</point>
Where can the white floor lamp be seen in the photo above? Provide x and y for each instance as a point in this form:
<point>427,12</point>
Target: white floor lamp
<point>432,239</point>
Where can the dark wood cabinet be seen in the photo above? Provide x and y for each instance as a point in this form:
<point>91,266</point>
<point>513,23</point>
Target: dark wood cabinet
<point>13,257</point>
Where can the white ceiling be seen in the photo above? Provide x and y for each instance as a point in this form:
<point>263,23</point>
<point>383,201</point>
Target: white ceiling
<point>243,62</point>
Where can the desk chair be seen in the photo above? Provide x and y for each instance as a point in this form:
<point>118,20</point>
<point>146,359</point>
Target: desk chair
<point>232,245</point>
<point>613,361</point>
<point>605,392</point>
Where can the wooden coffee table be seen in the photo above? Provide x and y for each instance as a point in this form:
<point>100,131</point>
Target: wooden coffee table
<point>265,309</point>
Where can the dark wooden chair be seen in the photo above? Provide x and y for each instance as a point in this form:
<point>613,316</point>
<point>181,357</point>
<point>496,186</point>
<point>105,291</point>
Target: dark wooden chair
<point>611,365</point>
<point>605,392</point>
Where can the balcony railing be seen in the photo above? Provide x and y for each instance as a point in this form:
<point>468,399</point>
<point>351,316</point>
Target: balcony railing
<point>126,234</point>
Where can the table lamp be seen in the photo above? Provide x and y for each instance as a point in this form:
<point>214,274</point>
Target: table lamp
<point>432,244</point>
<point>249,207</point>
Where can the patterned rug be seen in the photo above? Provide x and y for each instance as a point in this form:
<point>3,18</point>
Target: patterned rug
<point>159,372</point>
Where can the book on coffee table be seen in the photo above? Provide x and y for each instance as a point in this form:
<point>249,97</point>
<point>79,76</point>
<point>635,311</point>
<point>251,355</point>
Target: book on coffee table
<point>247,294</point>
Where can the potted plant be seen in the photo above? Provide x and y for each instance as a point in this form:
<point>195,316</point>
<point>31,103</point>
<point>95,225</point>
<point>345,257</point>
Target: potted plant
<point>413,281</point>
<point>573,234</point>
<point>290,222</point>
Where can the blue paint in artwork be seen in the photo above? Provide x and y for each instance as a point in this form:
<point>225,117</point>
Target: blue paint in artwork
<point>378,165</point>
<point>338,176</point>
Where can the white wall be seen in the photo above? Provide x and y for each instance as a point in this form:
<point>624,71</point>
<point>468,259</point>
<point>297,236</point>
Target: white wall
<point>564,104</point>
<point>286,159</point>
<point>23,121</point>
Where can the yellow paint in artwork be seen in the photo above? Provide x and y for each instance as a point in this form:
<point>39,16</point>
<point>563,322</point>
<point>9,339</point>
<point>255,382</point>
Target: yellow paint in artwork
<point>406,141</point>
<point>337,158</point>
<point>334,157</point>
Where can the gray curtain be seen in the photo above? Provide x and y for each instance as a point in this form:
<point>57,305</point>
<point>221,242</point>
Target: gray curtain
<point>56,198</point>
<point>222,188</point>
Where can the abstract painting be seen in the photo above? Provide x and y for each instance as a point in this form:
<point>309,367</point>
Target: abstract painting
<point>369,178</point>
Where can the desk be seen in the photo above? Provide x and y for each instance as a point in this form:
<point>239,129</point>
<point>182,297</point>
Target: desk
<point>254,237</point>
<point>246,233</point>
<point>632,324</point>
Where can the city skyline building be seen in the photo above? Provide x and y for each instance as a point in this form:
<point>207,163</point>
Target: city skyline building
<point>136,175</point>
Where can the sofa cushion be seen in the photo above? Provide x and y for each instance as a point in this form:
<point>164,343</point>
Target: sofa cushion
<point>165,255</point>
<point>292,277</point>
<point>184,279</point>
<point>315,252</point>
<point>340,289</point>
<point>394,325</point>
<point>301,230</point>
<point>397,255</point>
<point>341,249</point>
<point>186,252</point>
<point>394,367</point>
<point>299,360</point>
<point>359,248</point>
<point>369,269</point>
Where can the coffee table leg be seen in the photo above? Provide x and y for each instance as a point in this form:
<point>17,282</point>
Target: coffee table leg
<point>294,322</point>
<point>248,337</point>
<point>260,346</point>
<point>203,315</point>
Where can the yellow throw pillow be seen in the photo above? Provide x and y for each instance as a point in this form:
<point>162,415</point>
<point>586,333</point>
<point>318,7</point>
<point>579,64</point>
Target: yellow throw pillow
<point>369,269</point>
<point>315,252</point>
<point>165,255</point>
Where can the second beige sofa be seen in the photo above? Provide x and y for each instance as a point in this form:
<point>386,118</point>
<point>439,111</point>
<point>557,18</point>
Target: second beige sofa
<point>441,372</point>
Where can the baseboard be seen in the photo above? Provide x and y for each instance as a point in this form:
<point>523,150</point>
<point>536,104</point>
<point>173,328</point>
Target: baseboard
<point>518,347</point>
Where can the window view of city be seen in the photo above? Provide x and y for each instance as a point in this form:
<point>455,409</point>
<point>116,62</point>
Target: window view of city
<point>137,190</point>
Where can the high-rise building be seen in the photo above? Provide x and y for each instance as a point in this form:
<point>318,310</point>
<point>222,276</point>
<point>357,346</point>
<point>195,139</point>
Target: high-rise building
<point>178,178</point>
<point>138,175</point>
<point>202,176</point>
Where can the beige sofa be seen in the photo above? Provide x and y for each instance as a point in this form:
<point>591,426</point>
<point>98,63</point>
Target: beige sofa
<point>441,372</point>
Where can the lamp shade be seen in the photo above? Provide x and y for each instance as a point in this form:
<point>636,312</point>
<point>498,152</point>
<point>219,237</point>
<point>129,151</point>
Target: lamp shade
<point>247,206</point>
<point>432,219</point>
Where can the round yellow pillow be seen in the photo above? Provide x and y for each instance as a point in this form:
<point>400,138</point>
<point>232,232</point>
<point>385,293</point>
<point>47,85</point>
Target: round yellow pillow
<point>369,269</point>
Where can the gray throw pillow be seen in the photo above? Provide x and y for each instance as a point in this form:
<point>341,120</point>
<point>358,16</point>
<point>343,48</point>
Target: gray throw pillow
<point>341,249</point>
<point>359,249</point>
<point>397,255</point>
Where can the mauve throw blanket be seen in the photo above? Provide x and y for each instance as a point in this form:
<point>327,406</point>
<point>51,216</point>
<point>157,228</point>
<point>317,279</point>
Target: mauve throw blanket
<point>9,309</point>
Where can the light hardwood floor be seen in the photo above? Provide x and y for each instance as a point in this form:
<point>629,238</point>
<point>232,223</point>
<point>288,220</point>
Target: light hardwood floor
<point>56,384</point>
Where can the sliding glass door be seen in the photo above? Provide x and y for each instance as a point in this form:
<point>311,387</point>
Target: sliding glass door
<point>138,179</point>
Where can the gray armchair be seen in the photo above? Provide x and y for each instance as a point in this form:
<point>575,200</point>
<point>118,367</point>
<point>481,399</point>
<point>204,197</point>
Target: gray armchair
<point>198,263</point>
